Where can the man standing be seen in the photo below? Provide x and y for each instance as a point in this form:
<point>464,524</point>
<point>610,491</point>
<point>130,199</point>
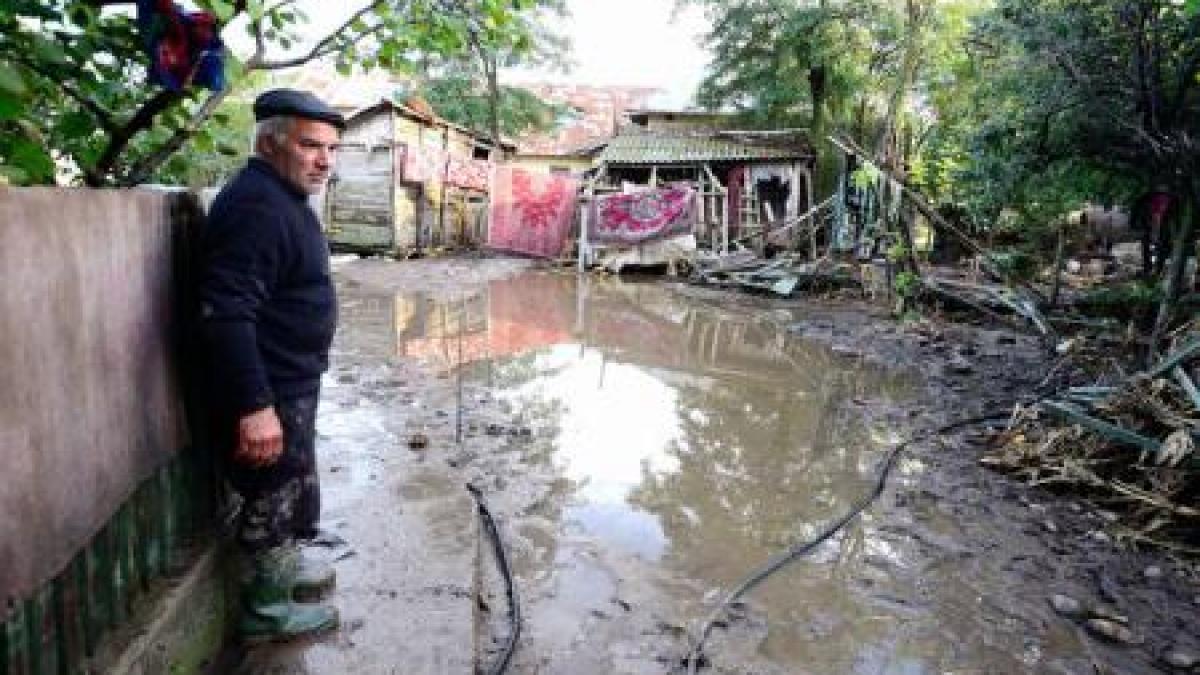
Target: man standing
<point>268,314</point>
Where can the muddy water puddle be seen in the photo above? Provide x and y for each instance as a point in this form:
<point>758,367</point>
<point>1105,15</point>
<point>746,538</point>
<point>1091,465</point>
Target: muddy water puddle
<point>693,442</point>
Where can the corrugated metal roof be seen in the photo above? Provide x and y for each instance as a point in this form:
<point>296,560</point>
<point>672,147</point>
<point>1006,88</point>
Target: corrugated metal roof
<point>658,148</point>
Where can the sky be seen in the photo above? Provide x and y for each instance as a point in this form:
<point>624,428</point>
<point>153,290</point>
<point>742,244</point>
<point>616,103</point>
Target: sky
<point>634,42</point>
<point>630,42</point>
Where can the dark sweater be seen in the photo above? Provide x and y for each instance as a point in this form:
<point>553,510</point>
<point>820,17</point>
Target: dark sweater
<point>267,304</point>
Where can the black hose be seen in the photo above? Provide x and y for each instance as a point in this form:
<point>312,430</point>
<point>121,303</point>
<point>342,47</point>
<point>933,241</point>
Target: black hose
<point>510,589</point>
<point>779,560</point>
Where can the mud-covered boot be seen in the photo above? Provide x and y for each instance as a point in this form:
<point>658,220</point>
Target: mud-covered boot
<point>314,577</point>
<point>268,611</point>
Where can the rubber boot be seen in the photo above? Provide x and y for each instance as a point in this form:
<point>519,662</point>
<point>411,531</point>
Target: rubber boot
<point>314,578</point>
<point>268,611</point>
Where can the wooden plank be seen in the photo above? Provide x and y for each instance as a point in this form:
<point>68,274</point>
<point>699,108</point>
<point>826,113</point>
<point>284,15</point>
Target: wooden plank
<point>88,612</point>
<point>68,607</point>
<point>122,564</point>
<point>43,638</point>
<point>14,647</point>
<point>170,517</point>
<point>101,584</point>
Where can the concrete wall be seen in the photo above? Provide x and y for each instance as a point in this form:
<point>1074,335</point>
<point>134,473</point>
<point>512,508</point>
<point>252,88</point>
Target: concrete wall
<point>89,401</point>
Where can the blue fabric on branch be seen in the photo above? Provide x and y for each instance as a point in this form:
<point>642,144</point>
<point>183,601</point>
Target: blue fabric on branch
<point>184,48</point>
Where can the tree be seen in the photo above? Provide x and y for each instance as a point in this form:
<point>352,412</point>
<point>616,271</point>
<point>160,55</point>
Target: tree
<point>69,74</point>
<point>1086,99</point>
<point>491,46</point>
<point>862,68</point>
<point>462,100</point>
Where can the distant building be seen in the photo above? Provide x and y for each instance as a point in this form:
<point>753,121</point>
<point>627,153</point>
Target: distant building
<point>407,180</point>
<point>596,113</point>
<point>751,183</point>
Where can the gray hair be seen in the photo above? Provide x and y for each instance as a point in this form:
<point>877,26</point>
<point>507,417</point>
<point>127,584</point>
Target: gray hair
<point>276,128</point>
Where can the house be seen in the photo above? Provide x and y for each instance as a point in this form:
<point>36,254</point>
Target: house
<point>751,184</point>
<point>406,180</point>
<point>593,114</point>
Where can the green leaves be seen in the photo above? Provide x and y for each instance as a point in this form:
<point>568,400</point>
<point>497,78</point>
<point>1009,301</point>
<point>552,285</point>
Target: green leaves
<point>72,79</point>
<point>465,101</point>
<point>225,10</point>
<point>26,161</point>
<point>11,82</point>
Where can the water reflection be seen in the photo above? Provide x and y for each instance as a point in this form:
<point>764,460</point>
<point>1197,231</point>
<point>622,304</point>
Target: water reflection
<point>703,439</point>
<point>679,424</point>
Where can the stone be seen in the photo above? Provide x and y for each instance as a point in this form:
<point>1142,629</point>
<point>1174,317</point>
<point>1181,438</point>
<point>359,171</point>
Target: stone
<point>1067,606</point>
<point>1112,631</point>
<point>418,441</point>
<point>1183,659</point>
<point>1108,614</point>
<point>1153,572</point>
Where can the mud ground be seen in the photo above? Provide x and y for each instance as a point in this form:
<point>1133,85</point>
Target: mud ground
<point>599,612</point>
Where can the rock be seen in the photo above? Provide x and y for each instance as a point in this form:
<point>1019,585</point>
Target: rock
<point>494,429</point>
<point>1050,526</point>
<point>1109,590</point>
<point>1112,631</point>
<point>1178,657</point>
<point>1153,572</point>
<point>1067,606</point>
<point>1108,614</point>
<point>418,441</point>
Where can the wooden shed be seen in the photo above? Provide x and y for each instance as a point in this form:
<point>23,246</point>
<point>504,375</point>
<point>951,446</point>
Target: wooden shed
<point>748,182</point>
<point>406,180</point>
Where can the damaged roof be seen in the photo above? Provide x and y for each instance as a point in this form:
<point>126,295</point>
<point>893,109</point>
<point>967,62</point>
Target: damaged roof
<point>649,148</point>
<point>598,110</point>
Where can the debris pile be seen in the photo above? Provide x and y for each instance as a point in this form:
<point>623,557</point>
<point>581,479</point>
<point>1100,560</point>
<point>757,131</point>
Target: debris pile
<point>780,275</point>
<point>1133,445</point>
<point>989,299</point>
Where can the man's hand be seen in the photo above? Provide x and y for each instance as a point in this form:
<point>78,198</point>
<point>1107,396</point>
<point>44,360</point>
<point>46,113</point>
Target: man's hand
<point>260,438</point>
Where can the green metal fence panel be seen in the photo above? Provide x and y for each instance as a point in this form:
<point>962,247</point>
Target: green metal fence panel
<point>59,628</point>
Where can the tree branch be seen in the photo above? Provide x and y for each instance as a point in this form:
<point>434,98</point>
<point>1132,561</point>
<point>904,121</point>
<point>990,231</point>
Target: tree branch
<point>119,139</point>
<point>103,116</point>
<point>139,172</point>
<point>258,63</point>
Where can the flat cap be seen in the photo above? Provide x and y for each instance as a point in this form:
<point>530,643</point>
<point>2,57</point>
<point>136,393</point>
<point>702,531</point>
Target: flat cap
<point>295,103</point>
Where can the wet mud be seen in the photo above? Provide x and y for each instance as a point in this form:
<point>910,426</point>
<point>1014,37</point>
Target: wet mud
<point>646,444</point>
